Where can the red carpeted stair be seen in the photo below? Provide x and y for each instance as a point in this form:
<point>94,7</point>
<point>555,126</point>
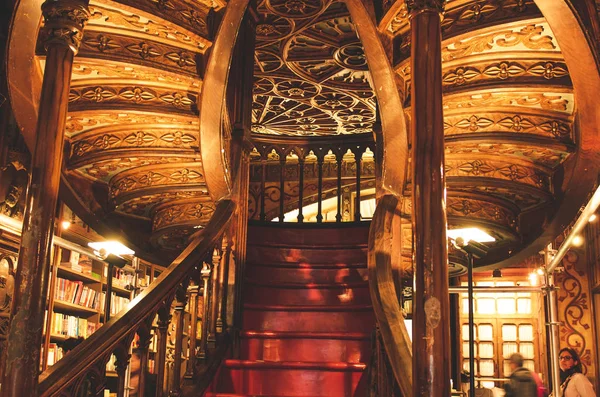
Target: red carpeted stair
<point>307,315</point>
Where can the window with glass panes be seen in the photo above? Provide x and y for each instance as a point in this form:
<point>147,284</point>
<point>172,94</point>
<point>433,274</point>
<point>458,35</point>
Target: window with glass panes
<point>504,323</point>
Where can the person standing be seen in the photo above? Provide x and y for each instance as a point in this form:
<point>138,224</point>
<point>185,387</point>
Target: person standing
<point>573,382</point>
<point>521,383</point>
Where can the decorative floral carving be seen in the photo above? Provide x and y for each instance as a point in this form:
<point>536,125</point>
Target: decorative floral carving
<point>64,22</point>
<point>574,310</point>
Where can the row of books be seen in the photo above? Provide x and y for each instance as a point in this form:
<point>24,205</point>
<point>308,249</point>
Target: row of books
<point>117,303</point>
<point>63,324</point>
<point>121,278</point>
<point>79,262</point>
<point>55,353</point>
<point>77,293</point>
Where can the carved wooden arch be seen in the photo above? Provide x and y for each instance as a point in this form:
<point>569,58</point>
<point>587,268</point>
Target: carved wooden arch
<point>211,109</point>
<point>578,53</point>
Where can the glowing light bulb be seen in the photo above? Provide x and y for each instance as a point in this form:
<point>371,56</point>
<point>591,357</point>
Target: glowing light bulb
<point>577,241</point>
<point>592,218</point>
<point>65,225</point>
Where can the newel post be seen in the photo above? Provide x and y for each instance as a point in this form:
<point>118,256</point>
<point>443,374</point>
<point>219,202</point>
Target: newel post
<point>63,30</point>
<point>431,313</point>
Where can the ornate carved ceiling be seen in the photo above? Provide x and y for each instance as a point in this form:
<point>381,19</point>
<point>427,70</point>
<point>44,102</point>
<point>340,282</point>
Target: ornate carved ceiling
<point>311,75</point>
<point>132,128</point>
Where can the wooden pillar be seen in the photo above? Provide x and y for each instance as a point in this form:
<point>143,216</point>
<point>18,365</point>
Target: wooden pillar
<point>164,318</point>
<point>263,215</point>
<point>320,159</point>
<point>431,324</point>
<point>180,317</point>
<point>121,364</point>
<point>145,338</point>
<point>281,187</point>
<point>358,161</point>
<point>223,277</point>
<point>63,31</point>
<point>338,216</point>
<point>193,299</point>
<point>205,273</point>
<point>300,189</point>
<point>214,301</point>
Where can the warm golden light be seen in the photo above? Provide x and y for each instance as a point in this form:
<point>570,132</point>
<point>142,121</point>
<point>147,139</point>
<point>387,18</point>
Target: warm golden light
<point>592,218</point>
<point>65,225</point>
<point>471,233</point>
<point>577,241</point>
<point>111,247</point>
<point>533,278</point>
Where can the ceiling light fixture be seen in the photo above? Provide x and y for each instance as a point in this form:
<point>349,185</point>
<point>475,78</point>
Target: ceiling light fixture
<point>470,234</point>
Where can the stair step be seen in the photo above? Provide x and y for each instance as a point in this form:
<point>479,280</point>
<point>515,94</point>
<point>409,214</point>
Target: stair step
<point>291,379</point>
<point>270,254</point>
<point>305,346</point>
<point>310,273</point>
<point>300,236</point>
<point>263,293</point>
<point>352,318</point>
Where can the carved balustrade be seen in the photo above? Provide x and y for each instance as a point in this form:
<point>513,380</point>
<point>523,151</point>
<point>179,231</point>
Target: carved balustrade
<point>158,313</point>
<point>295,180</point>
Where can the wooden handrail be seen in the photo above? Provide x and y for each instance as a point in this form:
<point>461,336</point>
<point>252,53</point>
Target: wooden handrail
<point>384,294</point>
<point>77,362</point>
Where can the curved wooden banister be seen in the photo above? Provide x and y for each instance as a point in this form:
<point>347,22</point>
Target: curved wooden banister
<point>77,362</point>
<point>384,290</point>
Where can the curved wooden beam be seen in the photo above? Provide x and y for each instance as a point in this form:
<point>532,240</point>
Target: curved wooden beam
<point>393,126</point>
<point>581,170</point>
<point>23,72</point>
<point>212,104</point>
<point>384,282</point>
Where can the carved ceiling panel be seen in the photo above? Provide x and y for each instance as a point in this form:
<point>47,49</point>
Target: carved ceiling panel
<point>132,126</point>
<point>311,74</point>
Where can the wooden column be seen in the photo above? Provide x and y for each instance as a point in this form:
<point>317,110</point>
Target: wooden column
<point>281,187</point>
<point>358,161</point>
<point>180,317</point>
<point>300,189</point>
<point>145,337</point>
<point>431,307</point>
<point>164,318</point>
<point>338,216</point>
<point>214,301</point>
<point>193,299</point>
<point>320,159</point>
<point>63,31</point>
<point>223,276</point>
<point>205,273</point>
<point>121,364</point>
<point>263,164</point>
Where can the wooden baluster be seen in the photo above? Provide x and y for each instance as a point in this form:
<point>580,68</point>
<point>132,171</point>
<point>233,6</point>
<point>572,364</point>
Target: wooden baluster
<point>223,276</point>
<point>63,30</point>
<point>358,161</point>
<point>193,290</point>
<point>263,215</point>
<point>431,335</point>
<point>338,216</point>
<point>164,318</point>
<point>320,159</point>
<point>205,274</point>
<point>121,363</point>
<point>300,189</point>
<point>145,337</point>
<point>281,187</point>
<point>214,302</point>
<point>180,317</point>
